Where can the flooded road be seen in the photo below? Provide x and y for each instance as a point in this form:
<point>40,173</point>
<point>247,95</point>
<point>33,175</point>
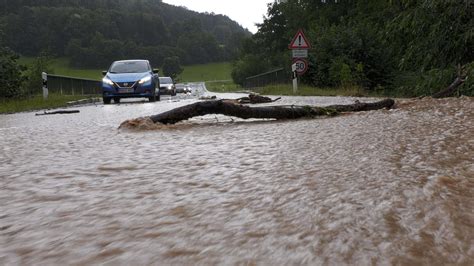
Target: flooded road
<point>379,187</point>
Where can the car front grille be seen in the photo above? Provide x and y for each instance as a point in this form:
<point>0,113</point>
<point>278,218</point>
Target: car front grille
<point>125,84</point>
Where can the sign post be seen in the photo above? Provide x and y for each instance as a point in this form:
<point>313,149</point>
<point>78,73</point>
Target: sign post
<point>295,78</point>
<point>299,48</point>
<point>44,76</point>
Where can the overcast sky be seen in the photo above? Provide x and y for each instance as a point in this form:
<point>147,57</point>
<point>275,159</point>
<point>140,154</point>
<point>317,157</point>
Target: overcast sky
<point>245,12</point>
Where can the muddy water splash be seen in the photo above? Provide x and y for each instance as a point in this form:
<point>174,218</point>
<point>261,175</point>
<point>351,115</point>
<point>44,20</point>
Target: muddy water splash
<point>141,123</point>
<point>380,187</point>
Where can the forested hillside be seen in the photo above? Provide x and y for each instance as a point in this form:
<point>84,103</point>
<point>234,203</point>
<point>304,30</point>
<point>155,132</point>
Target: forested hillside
<point>413,46</point>
<point>95,32</point>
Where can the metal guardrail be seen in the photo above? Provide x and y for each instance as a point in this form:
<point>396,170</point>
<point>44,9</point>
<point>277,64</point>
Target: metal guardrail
<point>276,76</point>
<point>65,85</point>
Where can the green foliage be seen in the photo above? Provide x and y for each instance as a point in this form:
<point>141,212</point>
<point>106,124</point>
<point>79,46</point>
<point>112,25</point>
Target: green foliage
<point>35,103</point>
<point>412,84</point>
<point>172,67</point>
<point>34,80</point>
<point>340,73</point>
<point>10,74</point>
<point>410,46</point>
<point>95,33</point>
<point>468,86</point>
<point>248,66</point>
<point>432,34</point>
<point>199,48</point>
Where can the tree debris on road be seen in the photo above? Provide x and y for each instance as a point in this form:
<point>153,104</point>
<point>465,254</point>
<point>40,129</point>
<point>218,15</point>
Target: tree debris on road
<point>59,112</point>
<point>255,98</point>
<point>231,108</point>
<point>458,81</point>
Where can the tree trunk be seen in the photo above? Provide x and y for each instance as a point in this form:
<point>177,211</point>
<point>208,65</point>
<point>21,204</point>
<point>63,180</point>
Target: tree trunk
<point>230,108</point>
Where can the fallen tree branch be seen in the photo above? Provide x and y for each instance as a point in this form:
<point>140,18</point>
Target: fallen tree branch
<point>450,89</point>
<point>460,79</point>
<point>230,108</point>
<point>255,98</point>
<point>59,112</point>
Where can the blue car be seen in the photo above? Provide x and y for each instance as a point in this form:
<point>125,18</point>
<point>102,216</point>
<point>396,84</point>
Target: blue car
<point>130,79</point>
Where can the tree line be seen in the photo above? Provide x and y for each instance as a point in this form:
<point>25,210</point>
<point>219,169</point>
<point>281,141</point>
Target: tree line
<point>411,47</point>
<point>93,33</point>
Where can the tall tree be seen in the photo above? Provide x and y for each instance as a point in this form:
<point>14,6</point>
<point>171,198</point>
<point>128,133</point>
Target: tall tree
<point>172,67</point>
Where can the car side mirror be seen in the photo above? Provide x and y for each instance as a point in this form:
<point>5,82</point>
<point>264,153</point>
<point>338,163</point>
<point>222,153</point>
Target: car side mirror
<point>156,70</point>
<point>104,73</point>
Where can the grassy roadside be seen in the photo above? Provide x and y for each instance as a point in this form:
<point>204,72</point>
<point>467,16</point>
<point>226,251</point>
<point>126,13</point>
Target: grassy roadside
<point>304,90</point>
<point>222,86</point>
<point>287,90</point>
<point>206,72</point>
<point>60,66</point>
<point>36,103</point>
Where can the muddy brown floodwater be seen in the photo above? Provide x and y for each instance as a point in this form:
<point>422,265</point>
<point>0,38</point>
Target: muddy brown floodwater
<point>379,187</point>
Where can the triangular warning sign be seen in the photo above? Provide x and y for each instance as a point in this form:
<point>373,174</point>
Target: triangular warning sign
<point>299,41</point>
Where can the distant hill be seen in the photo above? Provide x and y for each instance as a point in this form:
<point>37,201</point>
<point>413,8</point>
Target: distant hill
<point>92,33</point>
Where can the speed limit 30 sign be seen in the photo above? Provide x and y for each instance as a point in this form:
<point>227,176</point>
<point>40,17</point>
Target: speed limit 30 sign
<point>301,65</point>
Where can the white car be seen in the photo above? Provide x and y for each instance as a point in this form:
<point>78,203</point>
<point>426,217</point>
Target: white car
<point>167,86</point>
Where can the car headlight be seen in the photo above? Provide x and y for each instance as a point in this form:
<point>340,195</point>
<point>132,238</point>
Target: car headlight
<point>170,87</point>
<point>108,81</point>
<point>144,80</point>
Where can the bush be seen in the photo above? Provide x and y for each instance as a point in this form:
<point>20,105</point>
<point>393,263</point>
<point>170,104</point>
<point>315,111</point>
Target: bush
<point>10,74</point>
<point>34,80</point>
<point>248,66</point>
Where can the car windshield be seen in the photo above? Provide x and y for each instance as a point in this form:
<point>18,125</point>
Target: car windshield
<point>166,80</point>
<point>130,67</point>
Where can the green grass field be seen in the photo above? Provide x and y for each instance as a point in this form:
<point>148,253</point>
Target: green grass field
<point>36,103</point>
<point>205,72</point>
<point>60,66</point>
<point>222,86</point>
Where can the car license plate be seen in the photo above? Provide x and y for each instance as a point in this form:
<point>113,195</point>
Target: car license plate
<point>127,90</point>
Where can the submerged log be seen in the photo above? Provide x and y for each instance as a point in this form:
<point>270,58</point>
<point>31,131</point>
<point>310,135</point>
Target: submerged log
<point>230,108</point>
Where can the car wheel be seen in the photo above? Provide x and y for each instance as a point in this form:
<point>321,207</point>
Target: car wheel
<point>106,100</point>
<point>116,100</point>
<point>158,97</point>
